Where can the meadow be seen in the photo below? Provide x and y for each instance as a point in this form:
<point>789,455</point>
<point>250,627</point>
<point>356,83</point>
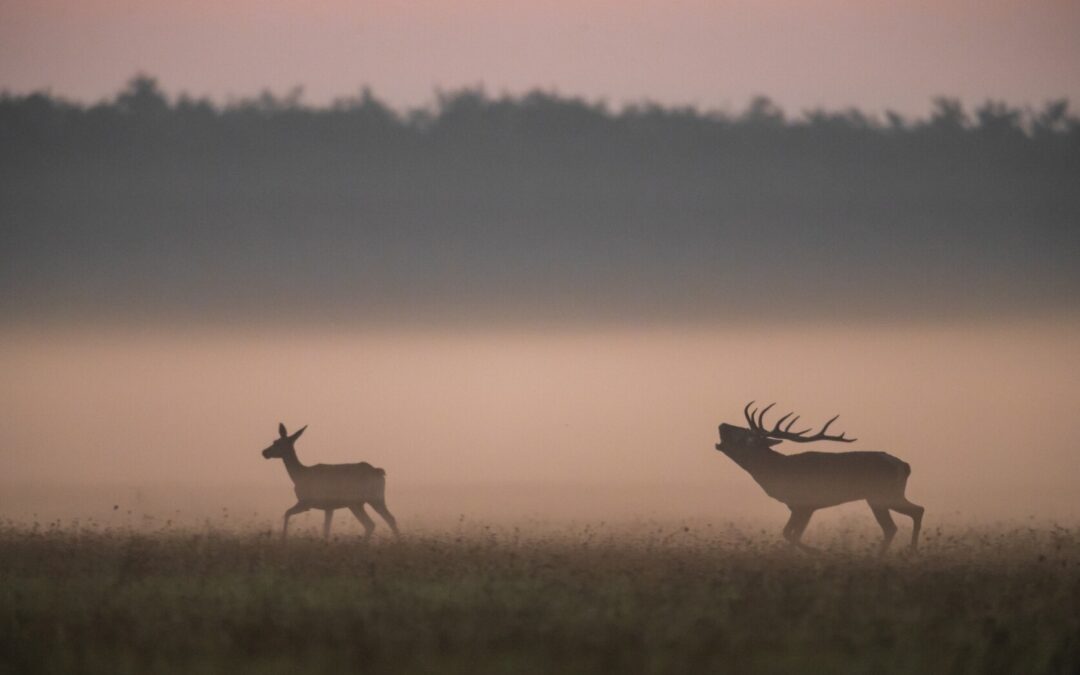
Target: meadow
<point>473,598</point>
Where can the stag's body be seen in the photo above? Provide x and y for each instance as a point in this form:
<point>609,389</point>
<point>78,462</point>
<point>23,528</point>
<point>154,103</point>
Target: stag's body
<point>328,487</point>
<point>809,481</point>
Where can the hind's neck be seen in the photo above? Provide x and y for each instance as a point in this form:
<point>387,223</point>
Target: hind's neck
<point>292,464</point>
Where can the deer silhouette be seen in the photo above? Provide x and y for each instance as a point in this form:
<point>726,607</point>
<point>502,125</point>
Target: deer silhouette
<point>331,486</point>
<point>809,481</point>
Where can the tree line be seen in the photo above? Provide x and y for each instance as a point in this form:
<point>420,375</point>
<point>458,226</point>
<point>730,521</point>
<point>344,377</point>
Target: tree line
<point>534,203</point>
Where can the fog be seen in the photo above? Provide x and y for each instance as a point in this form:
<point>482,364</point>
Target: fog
<point>583,423</point>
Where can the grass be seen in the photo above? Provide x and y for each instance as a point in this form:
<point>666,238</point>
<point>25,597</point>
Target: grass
<point>583,599</point>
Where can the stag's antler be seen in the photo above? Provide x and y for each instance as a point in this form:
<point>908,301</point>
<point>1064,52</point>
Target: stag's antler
<point>757,425</point>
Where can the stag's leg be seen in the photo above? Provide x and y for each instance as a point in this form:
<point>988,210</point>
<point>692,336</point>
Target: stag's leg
<point>299,507</point>
<point>796,525</point>
<point>380,508</point>
<point>364,518</point>
<point>888,527</point>
<point>915,512</point>
<point>789,528</point>
<point>328,515</point>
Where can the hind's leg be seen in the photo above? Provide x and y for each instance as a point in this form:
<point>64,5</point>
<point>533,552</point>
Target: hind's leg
<point>364,518</point>
<point>915,512</point>
<point>888,527</point>
<point>380,508</point>
<point>299,507</point>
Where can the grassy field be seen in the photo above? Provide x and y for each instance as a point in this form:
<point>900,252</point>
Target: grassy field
<point>673,599</point>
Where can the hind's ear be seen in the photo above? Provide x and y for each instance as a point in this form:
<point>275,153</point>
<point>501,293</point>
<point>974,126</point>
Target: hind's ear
<point>281,430</point>
<point>297,434</point>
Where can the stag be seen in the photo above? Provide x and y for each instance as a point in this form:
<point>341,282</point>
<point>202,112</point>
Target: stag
<point>808,481</point>
<point>331,486</point>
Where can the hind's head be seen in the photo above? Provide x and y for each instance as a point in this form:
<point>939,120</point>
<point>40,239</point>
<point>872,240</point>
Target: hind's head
<point>283,444</point>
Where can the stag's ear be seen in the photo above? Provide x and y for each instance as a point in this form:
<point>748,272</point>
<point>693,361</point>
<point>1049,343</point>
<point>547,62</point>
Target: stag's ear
<point>772,441</point>
<point>281,430</point>
<point>297,434</point>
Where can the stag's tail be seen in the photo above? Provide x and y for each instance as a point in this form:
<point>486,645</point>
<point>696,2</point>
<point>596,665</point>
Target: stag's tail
<point>903,472</point>
<point>372,469</point>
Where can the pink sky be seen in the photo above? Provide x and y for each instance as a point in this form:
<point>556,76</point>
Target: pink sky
<point>835,53</point>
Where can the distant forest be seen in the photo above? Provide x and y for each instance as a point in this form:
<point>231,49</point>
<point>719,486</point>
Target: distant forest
<point>531,208</point>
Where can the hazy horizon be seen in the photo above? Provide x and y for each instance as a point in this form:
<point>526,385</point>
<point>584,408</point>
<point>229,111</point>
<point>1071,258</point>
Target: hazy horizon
<point>981,412</point>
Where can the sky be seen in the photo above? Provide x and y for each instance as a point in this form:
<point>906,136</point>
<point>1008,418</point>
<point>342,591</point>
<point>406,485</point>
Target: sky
<point>825,53</point>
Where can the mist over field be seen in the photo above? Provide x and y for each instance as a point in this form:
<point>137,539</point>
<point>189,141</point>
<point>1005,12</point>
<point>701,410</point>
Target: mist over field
<point>504,426</point>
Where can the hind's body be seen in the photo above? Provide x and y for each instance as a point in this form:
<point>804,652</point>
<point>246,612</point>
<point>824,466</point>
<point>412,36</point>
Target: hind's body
<point>340,485</point>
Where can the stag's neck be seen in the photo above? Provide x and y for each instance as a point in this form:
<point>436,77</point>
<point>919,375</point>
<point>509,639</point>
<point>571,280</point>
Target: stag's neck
<point>293,465</point>
<point>760,463</point>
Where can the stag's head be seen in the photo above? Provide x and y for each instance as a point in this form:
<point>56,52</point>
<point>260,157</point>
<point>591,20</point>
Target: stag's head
<point>756,436</point>
<point>283,444</point>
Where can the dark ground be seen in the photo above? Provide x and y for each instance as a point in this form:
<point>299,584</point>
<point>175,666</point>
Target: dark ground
<point>482,600</point>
